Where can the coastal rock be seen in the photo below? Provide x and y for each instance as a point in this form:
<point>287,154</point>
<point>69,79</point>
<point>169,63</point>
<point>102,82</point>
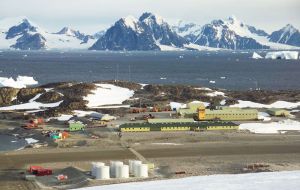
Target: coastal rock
<point>50,97</point>
<point>7,94</point>
<point>25,94</point>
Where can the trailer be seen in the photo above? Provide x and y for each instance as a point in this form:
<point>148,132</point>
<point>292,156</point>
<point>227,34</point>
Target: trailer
<point>39,171</point>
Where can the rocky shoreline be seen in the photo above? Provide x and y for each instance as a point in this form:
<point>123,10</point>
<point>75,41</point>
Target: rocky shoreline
<point>72,95</point>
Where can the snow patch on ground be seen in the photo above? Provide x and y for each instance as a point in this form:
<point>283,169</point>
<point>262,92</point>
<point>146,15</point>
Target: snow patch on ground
<point>20,82</point>
<point>204,88</point>
<point>175,144</point>
<point>176,105</point>
<point>264,116</point>
<point>259,181</point>
<point>271,128</point>
<point>108,94</point>
<point>216,93</point>
<point>63,117</point>
<point>278,104</point>
<point>31,140</point>
<point>31,105</point>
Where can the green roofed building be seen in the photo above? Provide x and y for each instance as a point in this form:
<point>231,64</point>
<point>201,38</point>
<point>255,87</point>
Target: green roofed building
<point>278,112</point>
<point>76,126</point>
<point>190,126</point>
<point>180,120</point>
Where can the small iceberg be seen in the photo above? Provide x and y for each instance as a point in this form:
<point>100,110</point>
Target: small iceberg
<point>256,56</point>
<point>20,82</point>
<point>283,55</point>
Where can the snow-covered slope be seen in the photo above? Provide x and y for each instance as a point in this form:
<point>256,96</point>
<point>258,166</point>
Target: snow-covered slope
<point>244,30</point>
<point>187,30</point>
<point>287,35</point>
<point>21,33</point>
<point>149,32</point>
<point>287,180</point>
<point>230,33</point>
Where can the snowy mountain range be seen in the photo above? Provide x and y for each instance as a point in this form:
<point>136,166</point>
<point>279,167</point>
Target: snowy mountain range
<point>22,34</point>
<point>148,32</point>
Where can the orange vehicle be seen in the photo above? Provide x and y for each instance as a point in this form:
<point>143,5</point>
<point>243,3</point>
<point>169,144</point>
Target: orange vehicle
<point>138,110</point>
<point>34,123</point>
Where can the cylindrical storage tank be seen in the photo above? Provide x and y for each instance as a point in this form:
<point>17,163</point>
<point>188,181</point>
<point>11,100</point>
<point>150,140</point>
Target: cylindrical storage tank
<point>113,167</point>
<point>130,162</point>
<point>142,170</point>
<point>94,164</point>
<point>122,171</point>
<point>135,165</point>
<point>102,172</point>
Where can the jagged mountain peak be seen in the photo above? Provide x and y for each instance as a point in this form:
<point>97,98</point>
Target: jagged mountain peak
<point>129,22</point>
<point>286,35</point>
<point>289,28</point>
<point>148,17</point>
<point>24,26</point>
<point>67,30</point>
<point>233,19</point>
<point>149,32</point>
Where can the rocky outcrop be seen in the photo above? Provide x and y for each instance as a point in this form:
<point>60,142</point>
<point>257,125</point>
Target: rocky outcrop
<point>25,94</point>
<point>50,97</point>
<point>265,96</point>
<point>7,94</point>
<point>76,91</point>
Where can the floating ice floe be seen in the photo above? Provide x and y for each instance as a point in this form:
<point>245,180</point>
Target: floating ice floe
<point>108,94</point>
<point>282,55</point>
<point>20,82</point>
<point>278,104</point>
<point>256,56</point>
<point>271,128</point>
<point>286,180</point>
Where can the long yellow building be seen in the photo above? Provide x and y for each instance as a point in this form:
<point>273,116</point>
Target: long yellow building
<point>226,114</point>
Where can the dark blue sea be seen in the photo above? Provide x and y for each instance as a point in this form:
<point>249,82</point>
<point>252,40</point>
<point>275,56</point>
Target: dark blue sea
<point>229,70</point>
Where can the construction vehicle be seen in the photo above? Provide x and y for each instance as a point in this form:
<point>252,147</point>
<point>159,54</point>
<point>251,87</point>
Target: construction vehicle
<point>160,109</point>
<point>138,110</point>
<point>150,116</point>
<point>39,171</point>
<point>34,123</point>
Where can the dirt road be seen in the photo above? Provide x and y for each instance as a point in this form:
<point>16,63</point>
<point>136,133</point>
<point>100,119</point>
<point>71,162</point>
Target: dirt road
<point>18,161</point>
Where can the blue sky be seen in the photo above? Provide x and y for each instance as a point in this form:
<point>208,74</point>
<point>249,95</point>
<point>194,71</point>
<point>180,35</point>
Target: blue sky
<point>93,15</point>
